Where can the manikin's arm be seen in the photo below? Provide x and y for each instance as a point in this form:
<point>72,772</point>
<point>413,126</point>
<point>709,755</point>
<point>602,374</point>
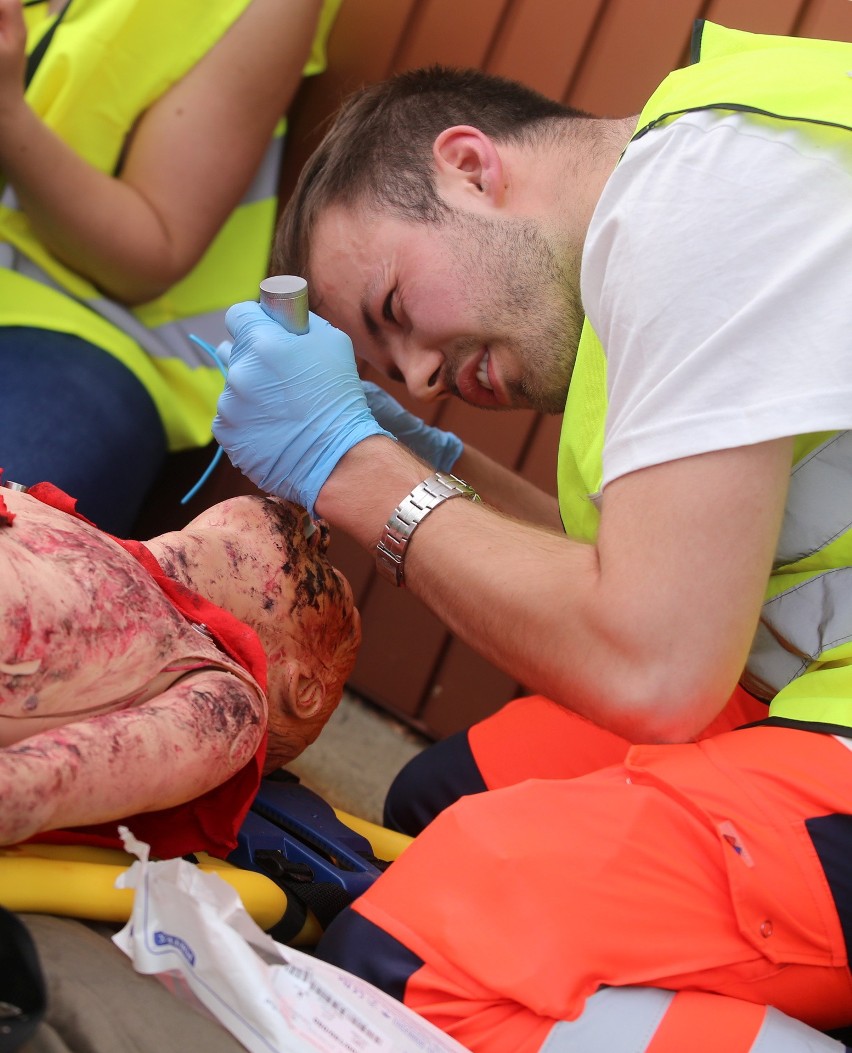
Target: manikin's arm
<point>179,745</point>
<point>191,157</point>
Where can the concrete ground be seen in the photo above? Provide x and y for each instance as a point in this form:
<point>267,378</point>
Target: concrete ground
<point>354,760</point>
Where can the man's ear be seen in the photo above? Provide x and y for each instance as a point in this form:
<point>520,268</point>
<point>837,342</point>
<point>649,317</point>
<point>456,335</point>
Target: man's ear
<point>470,169</point>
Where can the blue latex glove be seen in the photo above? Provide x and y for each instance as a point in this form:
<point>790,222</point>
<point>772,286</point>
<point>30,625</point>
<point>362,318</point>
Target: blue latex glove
<point>223,352</point>
<point>292,405</point>
<point>439,448</point>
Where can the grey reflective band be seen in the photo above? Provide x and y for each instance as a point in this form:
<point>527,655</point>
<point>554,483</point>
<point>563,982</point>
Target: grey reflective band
<point>408,515</point>
<point>800,624</point>
<point>614,1020</point>
<point>783,1034</point>
<point>796,627</point>
<point>170,340</point>
<point>264,185</point>
<point>626,1019</point>
<point>819,501</point>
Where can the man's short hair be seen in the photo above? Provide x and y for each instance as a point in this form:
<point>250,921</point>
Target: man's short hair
<point>378,151</point>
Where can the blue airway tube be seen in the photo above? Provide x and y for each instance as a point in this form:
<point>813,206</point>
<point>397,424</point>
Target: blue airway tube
<point>211,350</point>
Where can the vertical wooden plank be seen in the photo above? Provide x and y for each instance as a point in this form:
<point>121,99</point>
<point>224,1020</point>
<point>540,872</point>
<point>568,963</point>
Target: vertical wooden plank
<point>756,16</point>
<point>355,563</point>
<point>634,47</point>
<point>361,46</point>
<point>539,463</point>
<point>541,43</point>
<point>464,690</point>
<point>449,32</point>
<point>827,20</point>
<point>401,645</point>
<point>365,37</point>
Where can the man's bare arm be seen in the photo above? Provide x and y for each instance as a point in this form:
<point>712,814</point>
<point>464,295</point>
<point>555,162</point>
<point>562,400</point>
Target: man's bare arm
<point>507,491</point>
<point>645,632</point>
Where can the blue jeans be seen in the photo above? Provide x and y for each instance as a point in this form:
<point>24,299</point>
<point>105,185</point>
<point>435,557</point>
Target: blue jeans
<point>71,414</point>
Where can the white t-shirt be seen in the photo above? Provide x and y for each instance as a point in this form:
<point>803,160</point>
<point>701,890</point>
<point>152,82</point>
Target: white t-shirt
<point>717,273</point>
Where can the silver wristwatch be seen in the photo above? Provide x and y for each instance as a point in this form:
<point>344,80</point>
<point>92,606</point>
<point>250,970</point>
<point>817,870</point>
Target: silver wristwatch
<point>407,516</point>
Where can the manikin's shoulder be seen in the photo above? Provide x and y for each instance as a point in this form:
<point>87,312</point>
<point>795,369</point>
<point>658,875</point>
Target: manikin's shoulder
<point>248,547</point>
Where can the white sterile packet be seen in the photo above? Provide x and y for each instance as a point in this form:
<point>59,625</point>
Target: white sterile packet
<point>190,929</point>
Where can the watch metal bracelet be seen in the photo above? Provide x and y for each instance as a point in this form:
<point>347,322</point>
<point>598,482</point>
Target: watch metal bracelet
<point>409,514</point>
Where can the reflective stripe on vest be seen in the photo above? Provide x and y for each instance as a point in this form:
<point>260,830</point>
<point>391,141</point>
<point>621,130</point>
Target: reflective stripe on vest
<point>797,628</point>
<point>783,1034</point>
<point>807,614</point>
<point>650,1020</point>
<point>615,1019</point>
<point>812,616</point>
<point>818,480</point>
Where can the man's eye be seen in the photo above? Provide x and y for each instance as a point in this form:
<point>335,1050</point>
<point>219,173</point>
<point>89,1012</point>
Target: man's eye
<point>387,308</point>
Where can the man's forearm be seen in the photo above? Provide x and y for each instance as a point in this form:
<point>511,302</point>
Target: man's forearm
<point>640,632</point>
<point>513,591</point>
<point>507,491</point>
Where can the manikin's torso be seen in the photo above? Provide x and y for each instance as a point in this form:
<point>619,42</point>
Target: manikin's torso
<point>85,628</point>
<point>112,703</point>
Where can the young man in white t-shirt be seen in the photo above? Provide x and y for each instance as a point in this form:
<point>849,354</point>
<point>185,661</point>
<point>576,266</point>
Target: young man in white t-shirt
<point>478,240</point>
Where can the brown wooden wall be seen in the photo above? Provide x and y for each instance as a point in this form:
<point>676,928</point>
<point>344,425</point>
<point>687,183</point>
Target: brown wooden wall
<point>603,56</point>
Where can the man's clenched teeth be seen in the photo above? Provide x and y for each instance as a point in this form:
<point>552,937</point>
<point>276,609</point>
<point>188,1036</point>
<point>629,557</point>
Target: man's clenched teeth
<point>482,371</point>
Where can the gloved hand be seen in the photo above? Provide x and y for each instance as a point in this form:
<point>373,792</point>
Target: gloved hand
<point>292,405</point>
<point>223,352</point>
<point>439,448</point>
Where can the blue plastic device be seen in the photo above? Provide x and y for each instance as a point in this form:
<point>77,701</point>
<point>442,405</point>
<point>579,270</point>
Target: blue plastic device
<point>293,825</point>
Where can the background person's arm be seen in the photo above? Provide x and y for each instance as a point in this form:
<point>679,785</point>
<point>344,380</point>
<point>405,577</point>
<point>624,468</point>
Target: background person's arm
<point>190,159</point>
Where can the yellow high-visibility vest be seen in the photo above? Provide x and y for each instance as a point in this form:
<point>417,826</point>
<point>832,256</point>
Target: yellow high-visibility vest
<point>801,657</point>
<point>107,62</point>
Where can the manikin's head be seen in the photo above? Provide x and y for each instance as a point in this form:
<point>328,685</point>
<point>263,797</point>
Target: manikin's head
<point>411,223</point>
<point>311,631</point>
<point>260,559</point>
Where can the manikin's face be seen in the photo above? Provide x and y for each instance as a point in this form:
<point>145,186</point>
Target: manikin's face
<point>480,307</point>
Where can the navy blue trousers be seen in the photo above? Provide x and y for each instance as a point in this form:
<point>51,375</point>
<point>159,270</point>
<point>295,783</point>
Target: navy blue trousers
<point>72,415</point>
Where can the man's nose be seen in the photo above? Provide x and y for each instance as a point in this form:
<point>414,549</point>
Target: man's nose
<point>423,374</point>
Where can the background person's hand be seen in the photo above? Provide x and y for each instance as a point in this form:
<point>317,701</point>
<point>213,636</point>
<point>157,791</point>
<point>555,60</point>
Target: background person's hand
<point>439,448</point>
<point>292,405</point>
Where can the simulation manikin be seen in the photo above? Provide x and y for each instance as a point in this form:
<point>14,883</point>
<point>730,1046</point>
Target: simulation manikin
<point>166,678</point>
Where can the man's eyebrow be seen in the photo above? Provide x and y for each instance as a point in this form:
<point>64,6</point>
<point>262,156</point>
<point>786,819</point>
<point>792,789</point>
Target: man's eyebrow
<point>370,323</point>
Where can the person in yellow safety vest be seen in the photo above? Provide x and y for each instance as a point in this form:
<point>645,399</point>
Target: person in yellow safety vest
<point>139,156</point>
<point>682,277</point>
